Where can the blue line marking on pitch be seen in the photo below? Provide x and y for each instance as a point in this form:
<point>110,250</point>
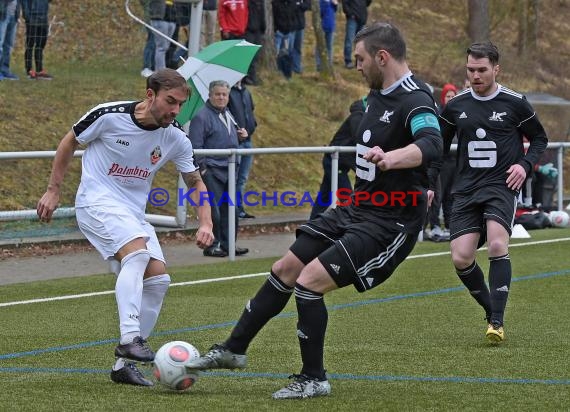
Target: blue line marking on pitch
<point>335,376</point>
<point>281,315</point>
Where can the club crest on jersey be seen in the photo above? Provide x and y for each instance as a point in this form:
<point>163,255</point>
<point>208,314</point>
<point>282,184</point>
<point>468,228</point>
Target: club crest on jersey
<point>497,117</point>
<point>155,155</point>
<point>386,116</point>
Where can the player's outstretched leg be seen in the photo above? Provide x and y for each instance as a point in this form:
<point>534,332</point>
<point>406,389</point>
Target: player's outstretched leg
<point>267,303</point>
<point>218,357</point>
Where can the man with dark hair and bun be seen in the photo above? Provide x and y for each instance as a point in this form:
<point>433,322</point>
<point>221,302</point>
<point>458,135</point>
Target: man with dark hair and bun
<point>126,144</point>
<point>359,244</point>
<point>490,121</point>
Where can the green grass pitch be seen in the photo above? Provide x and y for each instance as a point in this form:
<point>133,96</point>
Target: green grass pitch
<point>414,343</point>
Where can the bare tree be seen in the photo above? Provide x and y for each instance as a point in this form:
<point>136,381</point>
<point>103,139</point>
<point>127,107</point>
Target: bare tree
<point>478,23</point>
<point>268,51</point>
<point>528,17</point>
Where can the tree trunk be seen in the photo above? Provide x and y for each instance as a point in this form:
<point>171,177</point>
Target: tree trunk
<point>268,53</point>
<point>478,23</point>
<point>528,17</point>
<point>523,28</point>
<point>533,23</point>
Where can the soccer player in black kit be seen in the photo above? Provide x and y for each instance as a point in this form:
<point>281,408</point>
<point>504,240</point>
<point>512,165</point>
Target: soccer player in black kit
<point>360,244</point>
<point>490,121</point>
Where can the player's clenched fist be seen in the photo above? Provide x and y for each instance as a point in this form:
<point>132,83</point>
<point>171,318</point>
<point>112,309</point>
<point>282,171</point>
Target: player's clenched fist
<point>377,156</point>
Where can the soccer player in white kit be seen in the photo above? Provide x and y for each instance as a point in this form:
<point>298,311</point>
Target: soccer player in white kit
<point>126,144</point>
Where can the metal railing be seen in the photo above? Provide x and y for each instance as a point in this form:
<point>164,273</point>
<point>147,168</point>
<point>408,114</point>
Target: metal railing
<point>180,219</point>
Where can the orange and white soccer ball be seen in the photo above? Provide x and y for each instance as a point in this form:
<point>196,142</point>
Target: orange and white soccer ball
<point>168,365</point>
<point>559,218</point>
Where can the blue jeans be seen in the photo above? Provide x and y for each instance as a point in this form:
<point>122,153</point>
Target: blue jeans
<point>296,50</point>
<point>352,27</point>
<point>329,38</point>
<point>148,51</point>
<point>162,44</point>
<point>3,27</point>
<point>245,163</point>
<point>8,44</point>
<point>283,41</point>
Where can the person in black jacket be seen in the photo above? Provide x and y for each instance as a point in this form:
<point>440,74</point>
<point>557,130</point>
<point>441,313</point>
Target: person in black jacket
<point>254,34</point>
<point>345,136</point>
<point>241,107</point>
<point>298,34</point>
<point>283,24</point>
<point>356,13</point>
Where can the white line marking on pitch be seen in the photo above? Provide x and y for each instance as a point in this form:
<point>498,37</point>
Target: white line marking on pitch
<point>251,275</point>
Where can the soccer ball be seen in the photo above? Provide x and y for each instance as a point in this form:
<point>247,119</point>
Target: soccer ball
<point>168,365</point>
<point>559,218</point>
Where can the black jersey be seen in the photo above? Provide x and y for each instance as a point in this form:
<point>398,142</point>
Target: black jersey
<point>490,134</point>
<point>395,117</point>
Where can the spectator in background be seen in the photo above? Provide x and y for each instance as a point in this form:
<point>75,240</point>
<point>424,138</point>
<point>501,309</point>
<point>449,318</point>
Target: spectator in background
<point>346,135</point>
<point>148,51</point>
<point>283,24</point>
<point>163,19</point>
<point>36,17</point>
<point>297,35</point>
<point>213,127</point>
<point>209,22</point>
<point>254,33</point>
<point>175,53</point>
<point>232,15</point>
<point>356,12</point>
<point>8,37</point>
<point>241,107</point>
<point>328,24</point>
<point>442,198</point>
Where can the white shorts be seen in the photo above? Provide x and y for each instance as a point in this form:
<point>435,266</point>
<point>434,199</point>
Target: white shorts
<point>108,229</point>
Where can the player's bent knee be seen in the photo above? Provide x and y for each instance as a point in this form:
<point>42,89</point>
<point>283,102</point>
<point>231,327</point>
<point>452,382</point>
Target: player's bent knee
<point>461,261</point>
<point>155,267</point>
<point>288,268</point>
<point>138,256</point>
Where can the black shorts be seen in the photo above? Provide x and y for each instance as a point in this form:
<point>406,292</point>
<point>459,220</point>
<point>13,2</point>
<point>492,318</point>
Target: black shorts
<point>470,211</point>
<point>354,245</point>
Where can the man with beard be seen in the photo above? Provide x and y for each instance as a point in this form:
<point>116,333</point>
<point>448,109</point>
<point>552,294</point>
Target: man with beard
<point>127,143</point>
<point>361,243</point>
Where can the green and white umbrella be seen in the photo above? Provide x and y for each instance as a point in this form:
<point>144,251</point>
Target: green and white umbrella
<point>227,60</point>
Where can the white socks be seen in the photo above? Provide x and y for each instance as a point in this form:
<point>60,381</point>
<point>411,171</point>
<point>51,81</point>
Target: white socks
<point>128,293</point>
<point>154,290</point>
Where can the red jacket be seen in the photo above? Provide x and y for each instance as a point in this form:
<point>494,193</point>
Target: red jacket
<point>232,16</point>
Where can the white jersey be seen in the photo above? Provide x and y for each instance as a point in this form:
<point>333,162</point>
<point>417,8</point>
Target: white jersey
<point>122,156</point>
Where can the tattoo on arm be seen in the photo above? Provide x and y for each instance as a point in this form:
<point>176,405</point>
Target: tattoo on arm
<point>192,179</point>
